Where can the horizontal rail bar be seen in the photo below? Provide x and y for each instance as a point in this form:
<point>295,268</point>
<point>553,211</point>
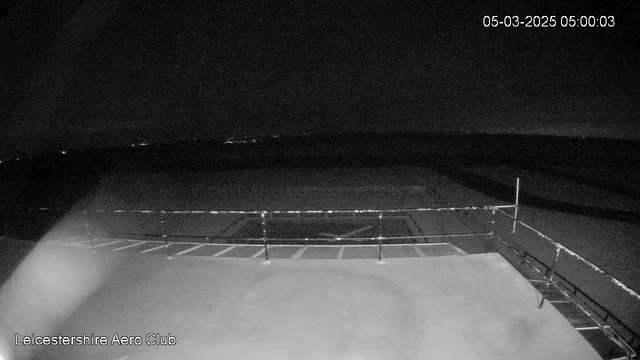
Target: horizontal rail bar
<point>588,328</point>
<point>258,212</point>
<point>503,206</point>
<point>324,239</point>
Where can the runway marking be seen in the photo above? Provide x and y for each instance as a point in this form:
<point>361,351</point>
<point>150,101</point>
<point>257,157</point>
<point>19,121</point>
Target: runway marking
<point>459,251</point>
<point>130,246</point>
<point>299,252</point>
<point>108,243</point>
<point>155,248</point>
<point>190,249</point>
<point>346,235</point>
<point>63,239</point>
<point>418,250</point>
<point>340,252</point>
<point>78,243</point>
<point>224,251</point>
<point>258,253</point>
<point>81,245</point>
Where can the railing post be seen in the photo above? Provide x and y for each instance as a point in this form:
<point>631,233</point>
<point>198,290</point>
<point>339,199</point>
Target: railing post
<point>493,220</point>
<point>165,237</point>
<point>492,232</point>
<point>380,237</point>
<point>264,237</point>
<point>549,276</point>
<point>515,211</point>
<point>85,212</point>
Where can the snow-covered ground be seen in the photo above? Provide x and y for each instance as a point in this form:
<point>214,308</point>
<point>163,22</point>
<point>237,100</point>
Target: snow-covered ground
<point>459,307</point>
<point>610,245</point>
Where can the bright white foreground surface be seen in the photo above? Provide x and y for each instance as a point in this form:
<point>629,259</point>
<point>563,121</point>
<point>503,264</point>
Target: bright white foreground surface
<point>457,307</point>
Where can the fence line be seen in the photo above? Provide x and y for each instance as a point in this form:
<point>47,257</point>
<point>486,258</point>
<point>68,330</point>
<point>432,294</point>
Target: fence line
<point>326,239</point>
<point>269,212</point>
<point>575,255</point>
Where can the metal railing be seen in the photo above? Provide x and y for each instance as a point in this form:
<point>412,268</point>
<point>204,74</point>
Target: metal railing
<point>611,324</point>
<point>630,341</point>
<point>573,272</point>
<point>265,214</point>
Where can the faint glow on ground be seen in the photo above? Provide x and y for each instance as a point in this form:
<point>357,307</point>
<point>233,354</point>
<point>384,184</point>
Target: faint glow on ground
<point>5,350</point>
<point>47,287</point>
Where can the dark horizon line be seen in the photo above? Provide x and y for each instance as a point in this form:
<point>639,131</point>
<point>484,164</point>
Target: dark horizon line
<point>52,149</point>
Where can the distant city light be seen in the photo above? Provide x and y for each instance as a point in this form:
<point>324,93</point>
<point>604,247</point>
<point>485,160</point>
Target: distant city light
<point>231,140</point>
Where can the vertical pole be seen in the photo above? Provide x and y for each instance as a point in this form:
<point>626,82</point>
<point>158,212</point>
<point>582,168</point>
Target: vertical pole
<point>85,212</point>
<point>549,276</point>
<point>515,212</point>
<point>264,236</point>
<point>553,266</point>
<point>493,220</point>
<point>163,228</point>
<point>380,236</point>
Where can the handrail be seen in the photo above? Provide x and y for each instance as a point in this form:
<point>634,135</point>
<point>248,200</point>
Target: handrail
<point>267,212</point>
<point>258,212</point>
<point>575,255</point>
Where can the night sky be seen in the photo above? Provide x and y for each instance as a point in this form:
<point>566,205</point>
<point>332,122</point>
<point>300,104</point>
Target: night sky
<point>111,72</point>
